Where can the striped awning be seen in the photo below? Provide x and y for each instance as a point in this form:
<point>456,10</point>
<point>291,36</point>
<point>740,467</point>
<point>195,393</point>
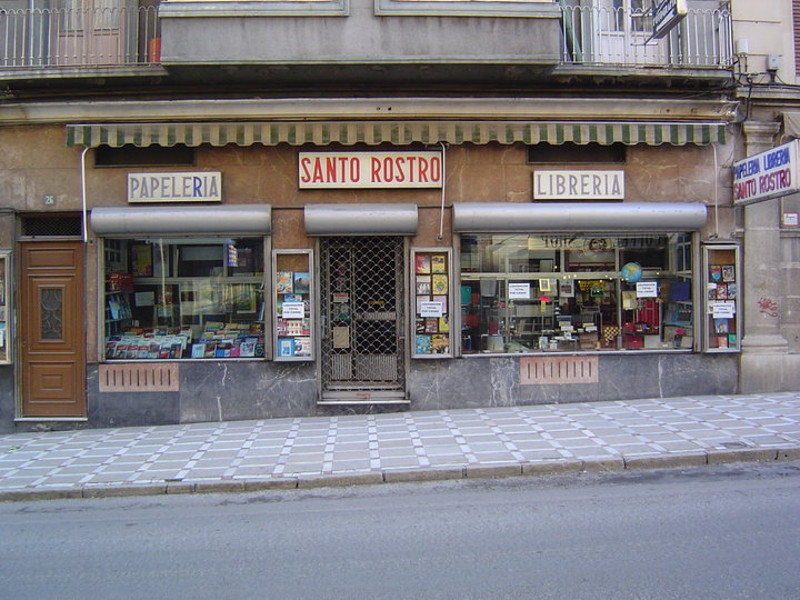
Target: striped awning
<point>298,133</point>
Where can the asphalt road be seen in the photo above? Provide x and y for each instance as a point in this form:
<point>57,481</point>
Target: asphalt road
<point>727,532</point>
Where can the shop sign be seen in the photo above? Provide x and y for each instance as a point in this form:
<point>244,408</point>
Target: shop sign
<point>666,15</point>
<point>766,175</point>
<point>579,185</point>
<point>330,170</point>
<point>203,186</point>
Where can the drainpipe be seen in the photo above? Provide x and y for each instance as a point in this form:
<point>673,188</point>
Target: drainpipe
<point>440,237</point>
<point>83,196</point>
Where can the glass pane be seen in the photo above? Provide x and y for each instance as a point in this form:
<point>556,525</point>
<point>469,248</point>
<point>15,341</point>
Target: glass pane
<point>52,306</point>
<point>565,292</point>
<point>184,298</point>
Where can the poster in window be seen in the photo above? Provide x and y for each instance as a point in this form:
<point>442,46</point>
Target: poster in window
<point>142,260</point>
<point>422,263</point>
<point>439,284</point>
<point>284,282</point>
<point>302,283</point>
<point>423,284</point>
<point>728,273</point>
<point>423,344</point>
<point>443,301</point>
<point>438,263</point>
<point>286,347</point>
<point>440,343</point>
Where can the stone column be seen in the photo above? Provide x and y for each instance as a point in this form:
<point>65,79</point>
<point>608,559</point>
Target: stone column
<point>763,347</point>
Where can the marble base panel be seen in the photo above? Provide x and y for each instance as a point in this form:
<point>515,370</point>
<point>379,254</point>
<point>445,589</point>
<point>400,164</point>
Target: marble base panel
<point>232,391</point>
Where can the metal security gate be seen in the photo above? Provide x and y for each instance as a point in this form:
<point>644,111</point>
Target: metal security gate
<point>363,342</point>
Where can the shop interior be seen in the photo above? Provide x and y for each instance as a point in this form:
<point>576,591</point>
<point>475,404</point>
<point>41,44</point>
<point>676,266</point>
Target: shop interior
<point>522,293</point>
<point>184,298</point>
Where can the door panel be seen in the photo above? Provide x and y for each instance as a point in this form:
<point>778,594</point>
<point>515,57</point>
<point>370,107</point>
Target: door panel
<point>51,313</point>
<point>90,32</point>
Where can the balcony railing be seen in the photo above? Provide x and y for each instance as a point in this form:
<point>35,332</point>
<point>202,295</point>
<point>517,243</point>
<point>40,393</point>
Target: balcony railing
<point>44,39</point>
<point>66,37</point>
<point>606,36</point>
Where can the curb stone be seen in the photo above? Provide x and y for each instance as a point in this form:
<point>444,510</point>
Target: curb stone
<point>604,464</point>
<point>555,467</point>
<point>492,471</point>
<point>666,461</point>
<point>120,491</point>
<point>410,475</point>
<point>789,454</point>
<point>342,480</point>
<point>714,457</point>
<point>260,485</point>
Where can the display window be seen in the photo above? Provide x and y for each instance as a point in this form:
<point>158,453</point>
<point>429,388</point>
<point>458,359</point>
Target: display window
<point>192,298</point>
<point>5,316</point>
<point>576,293</point>
<point>292,305</point>
<point>723,325</point>
<point>432,302</point>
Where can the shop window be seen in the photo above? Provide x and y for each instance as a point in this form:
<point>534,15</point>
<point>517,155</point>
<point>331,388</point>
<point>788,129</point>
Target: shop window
<point>790,211</point>
<point>150,156</point>
<point>570,293</point>
<point>569,152</point>
<point>184,298</point>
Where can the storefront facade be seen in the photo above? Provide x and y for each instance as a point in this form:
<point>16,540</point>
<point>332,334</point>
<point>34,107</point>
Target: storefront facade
<point>276,277</point>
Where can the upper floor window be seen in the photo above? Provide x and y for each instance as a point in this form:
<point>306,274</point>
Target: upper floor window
<point>244,8</point>
<point>519,8</point>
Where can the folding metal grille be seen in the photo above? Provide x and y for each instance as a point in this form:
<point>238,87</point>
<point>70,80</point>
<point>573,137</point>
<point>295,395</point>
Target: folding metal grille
<point>362,308</point>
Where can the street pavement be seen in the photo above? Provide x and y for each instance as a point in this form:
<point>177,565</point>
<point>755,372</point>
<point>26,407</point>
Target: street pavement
<point>305,452</point>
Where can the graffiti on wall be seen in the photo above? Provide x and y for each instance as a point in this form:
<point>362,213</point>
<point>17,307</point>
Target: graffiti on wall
<point>768,306</point>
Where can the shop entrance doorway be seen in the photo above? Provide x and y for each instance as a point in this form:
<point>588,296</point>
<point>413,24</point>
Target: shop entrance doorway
<point>52,330</point>
<point>363,323</point>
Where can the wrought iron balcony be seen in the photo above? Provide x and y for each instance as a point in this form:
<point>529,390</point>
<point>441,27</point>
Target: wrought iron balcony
<point>605,35</point>
<point>106,35</point>
<point>608,33</point>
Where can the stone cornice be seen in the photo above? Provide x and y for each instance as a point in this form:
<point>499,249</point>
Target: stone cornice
<point>606,109</point>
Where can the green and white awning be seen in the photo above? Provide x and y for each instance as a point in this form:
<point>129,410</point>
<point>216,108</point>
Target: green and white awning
<point>319,133</point>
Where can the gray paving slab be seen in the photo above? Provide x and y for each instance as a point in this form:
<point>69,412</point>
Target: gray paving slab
<point>359,449</point>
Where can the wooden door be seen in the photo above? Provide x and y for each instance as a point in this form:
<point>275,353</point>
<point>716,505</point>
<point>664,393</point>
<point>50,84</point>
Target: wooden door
<point>52,330</point>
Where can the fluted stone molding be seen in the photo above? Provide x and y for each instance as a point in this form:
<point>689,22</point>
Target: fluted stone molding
<point>763,346</point>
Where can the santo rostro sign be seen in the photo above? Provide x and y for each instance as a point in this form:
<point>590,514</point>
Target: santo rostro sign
<point>766,175</point>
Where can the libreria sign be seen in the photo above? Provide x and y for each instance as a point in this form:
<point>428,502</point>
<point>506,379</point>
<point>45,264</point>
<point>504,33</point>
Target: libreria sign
<point>766,175</point>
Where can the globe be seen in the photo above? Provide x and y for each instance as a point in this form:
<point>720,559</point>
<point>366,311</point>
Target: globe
<point>631,272</point>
